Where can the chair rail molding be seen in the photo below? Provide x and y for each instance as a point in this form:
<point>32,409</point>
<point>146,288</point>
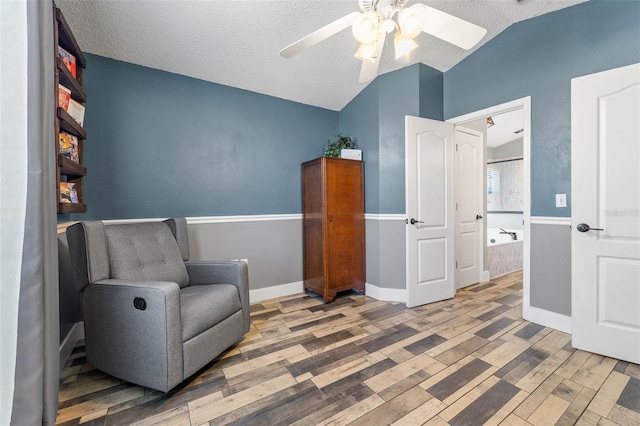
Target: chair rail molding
<point>547,220</point>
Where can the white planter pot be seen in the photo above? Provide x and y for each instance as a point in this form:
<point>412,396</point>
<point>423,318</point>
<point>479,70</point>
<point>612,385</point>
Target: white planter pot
<point>351,154</point>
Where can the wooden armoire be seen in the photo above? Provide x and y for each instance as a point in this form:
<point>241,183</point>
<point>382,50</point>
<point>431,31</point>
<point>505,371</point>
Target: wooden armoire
<point>333,226</point>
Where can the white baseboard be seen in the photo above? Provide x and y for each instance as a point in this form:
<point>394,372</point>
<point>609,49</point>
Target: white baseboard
<point>66,347</point>
<point>547,318</point>
<point>373,291</point>
<point>485,276</point>
<point>260,294</point>
<point>386,294</point>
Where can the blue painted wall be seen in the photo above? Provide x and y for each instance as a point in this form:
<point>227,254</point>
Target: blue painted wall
<point>431,93</point>
<point>538,58</point>
<point>398,96</point>
<point>359,119</point>
<point>376,119</point>
<point>162,145</point>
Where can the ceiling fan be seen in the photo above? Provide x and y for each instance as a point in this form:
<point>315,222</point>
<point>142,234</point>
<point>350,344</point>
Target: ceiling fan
<point>380,18</point>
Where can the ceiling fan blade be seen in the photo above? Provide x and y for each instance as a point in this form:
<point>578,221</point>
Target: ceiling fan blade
<point>319,35</point>
<point>369,70</point>
<point>451,29</point>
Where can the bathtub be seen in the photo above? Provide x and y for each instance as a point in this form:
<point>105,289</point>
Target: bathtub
<point>495,238</point>
<point>504,253</point>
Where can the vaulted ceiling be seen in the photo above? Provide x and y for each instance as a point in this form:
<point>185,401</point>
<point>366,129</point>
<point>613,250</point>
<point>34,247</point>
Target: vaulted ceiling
<point>236,42</point>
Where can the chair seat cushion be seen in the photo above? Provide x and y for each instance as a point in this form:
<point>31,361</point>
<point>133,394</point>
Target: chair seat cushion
<point>203,306</point>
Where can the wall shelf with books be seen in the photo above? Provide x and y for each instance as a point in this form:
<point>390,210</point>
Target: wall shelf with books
<point>66,39</point>
<point>69,118</point>
<point>72,208</point>
<point>67,80</point>
<point>69,125</point>
<point>70,168</point>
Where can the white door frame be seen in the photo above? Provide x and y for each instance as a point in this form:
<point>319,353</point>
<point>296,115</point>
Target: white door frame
<point>528,312</point>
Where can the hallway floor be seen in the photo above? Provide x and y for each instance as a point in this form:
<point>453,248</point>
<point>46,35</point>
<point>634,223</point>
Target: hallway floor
<point>466,361</point>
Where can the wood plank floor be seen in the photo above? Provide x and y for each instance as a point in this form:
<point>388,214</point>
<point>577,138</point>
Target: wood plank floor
<point>466,361</point>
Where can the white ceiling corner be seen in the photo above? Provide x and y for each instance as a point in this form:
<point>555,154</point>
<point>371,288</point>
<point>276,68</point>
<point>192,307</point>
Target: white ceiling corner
<point>236,42</point>
<point>505,128</point>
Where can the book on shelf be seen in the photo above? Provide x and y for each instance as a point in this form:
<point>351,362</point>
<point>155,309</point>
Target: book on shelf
<point>68,146</point>
<point>64,96</point>
<point>68,59</point>
<point>76,111</point>
<point>68,192</point>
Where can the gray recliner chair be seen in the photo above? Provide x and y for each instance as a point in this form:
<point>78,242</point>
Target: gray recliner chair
<point>151,317</point>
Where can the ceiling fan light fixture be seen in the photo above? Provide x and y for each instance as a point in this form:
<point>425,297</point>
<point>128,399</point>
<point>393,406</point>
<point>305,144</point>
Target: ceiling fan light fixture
<point>380,19</point>
<point>403,46</point>
<point>411,21</point>
<point>366,52</point>
<point>365,27</point>
<point>388,26</point>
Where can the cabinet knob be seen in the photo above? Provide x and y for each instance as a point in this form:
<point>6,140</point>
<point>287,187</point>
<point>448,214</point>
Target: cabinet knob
<point>330,218</point>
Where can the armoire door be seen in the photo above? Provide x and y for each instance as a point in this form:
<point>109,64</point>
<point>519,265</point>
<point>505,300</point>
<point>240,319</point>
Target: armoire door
<point>345,225</point>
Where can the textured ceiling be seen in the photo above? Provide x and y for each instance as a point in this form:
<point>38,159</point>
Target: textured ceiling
<point>504,130</point>
<point>236,42</point>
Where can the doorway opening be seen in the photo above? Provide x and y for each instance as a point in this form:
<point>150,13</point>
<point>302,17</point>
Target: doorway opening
<point>502,210</point>
<point>504,193</point>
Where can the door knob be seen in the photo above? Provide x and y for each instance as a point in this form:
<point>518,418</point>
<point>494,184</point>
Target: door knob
<point>413,221</point>
<point>478,217</point>
<point>583,227</point>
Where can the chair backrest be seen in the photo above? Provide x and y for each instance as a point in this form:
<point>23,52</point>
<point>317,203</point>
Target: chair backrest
<point>148,251</point>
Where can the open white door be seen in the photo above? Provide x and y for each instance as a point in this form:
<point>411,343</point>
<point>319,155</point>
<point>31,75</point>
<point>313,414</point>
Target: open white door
<point>469,188</point>
<point>605,183</point>
<point>429,151</point>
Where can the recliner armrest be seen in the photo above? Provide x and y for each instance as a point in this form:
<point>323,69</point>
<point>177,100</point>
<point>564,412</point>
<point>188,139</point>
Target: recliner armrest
<point>153,333</point>
<point>224,272</point>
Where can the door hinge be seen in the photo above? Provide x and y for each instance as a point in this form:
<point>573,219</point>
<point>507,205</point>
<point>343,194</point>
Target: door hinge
<point>456,206</point>
<point>456,264</point>
<point>456,147</point>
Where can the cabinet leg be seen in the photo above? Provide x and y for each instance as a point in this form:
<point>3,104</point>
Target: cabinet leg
<point>328,297</point>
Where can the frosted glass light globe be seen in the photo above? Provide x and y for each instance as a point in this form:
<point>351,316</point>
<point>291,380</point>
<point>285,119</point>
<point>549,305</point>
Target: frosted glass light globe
<point>365,28</point>
<point>411,21</point>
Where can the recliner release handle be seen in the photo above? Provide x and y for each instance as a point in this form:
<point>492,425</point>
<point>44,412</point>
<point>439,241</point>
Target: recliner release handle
<point>139,303</point>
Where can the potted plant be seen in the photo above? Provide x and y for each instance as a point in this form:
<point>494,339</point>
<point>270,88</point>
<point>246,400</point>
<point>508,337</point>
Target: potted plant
<point>342,147</point>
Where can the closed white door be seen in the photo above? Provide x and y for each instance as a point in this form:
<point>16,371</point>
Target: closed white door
<point>605,184</point>
<point>429,150</point>
<point>469,188</point>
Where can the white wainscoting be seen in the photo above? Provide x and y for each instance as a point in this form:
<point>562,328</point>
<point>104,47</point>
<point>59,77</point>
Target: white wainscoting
<point>256,295</point>
<point>544,220</point>
<point>531,313</point>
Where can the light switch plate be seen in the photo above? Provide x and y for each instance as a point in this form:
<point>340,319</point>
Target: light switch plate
<point>561,200</point>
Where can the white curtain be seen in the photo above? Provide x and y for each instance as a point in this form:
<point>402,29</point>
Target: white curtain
<point>13,187</point>
<point>29,319</point>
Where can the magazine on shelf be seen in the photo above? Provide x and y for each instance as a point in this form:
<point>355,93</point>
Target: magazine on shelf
<point>76,111</point>
<point>64,95</point>
<point>68,59</point>
<point>68,192</point>
<point>68,146</point>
